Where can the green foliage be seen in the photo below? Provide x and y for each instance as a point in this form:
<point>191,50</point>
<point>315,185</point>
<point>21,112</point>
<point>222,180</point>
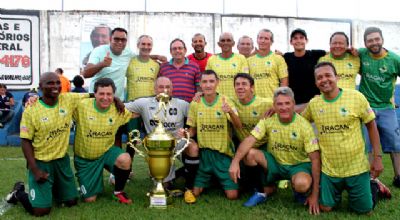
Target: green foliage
<point>211,205</point>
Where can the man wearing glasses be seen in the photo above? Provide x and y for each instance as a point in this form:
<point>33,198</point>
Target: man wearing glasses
<point>110,61</point>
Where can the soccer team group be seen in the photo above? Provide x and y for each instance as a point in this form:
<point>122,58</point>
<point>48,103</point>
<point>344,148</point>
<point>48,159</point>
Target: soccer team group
<point>256,117</point>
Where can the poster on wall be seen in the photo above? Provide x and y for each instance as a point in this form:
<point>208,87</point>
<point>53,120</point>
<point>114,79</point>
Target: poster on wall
<point>19,49</point>
<point>96,31</point>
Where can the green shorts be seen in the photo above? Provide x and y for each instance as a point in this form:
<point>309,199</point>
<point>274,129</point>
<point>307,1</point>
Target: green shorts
<point>90,172</point>
<point>276,171</point>
<point>358,188</point>
<point>60,183</point>
<point>214,163</point>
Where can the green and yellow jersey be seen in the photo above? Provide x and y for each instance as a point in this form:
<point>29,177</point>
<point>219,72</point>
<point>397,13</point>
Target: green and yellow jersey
<point>346,67</point>
<point>96,128</point>
<point>338,122</point>
<point>289,143</point>
<point>378,78</point>
<point>140,78</point>
<point>48,127</point>
<point>212,124</point>
<point>250,114</point>
<point>226,69</point>
<point>267,72</point>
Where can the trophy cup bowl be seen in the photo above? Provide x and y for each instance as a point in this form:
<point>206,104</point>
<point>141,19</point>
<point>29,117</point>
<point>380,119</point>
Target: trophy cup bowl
<point>160,153</point>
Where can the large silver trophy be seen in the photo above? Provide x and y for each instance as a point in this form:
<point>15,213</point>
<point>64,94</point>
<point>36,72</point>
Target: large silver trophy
<point>159,151</point>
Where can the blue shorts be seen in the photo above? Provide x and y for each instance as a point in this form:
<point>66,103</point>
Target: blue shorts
<point>389,131</point>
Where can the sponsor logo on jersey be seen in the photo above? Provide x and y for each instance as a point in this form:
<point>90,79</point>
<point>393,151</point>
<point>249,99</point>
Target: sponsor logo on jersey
<point>211,128</point>
<point>144,79</point>
<point>283,147</point>
<point>91,118</point>
<point>274,131</point>
<point>261,75</point>
<point>345,76</point>
<point>58,131</point>
<point>343,111</point>
<point>332,129</point>
<point>24,129</point>
<point>99,134</point>
<point>383,69</point>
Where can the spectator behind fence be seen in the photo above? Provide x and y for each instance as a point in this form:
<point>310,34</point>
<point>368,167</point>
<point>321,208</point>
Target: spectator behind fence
<point>6,102</point>
<point>65,83</point>
<point>30,93</point>
<point>78,84</point>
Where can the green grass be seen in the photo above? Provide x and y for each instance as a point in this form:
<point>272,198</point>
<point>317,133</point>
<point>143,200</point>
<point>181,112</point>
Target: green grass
<point>211,205</point>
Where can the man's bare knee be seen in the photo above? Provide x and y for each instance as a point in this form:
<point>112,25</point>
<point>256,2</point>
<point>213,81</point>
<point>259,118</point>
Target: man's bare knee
<point>123,161</point>
<point>232,194</point>
<point>90,199</point>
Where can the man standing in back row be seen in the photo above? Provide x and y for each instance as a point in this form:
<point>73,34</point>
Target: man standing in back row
<point>379,71</point>
<point>227,64</point>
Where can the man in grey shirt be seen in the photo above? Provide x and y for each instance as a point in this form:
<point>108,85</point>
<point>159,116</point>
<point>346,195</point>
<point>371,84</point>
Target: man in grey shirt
<point>177,111</point>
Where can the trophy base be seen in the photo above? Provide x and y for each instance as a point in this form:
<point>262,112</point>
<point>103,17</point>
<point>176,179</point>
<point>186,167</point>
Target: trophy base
<point>159,198</point>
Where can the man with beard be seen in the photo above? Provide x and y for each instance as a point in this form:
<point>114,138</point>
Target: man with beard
<point>379,71</point>
<point>199,56</point>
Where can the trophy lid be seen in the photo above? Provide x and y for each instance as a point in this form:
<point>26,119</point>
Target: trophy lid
<point>160,134</point>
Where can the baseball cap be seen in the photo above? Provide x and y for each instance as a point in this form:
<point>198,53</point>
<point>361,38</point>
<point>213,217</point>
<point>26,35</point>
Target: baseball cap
<point>298,31</point>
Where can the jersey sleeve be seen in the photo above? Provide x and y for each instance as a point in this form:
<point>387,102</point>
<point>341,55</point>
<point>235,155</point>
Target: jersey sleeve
<point>185,108</point>
<point>310,140</point>
<point>135,106</point>
<point>307,114</point>
<point>126,116</point>
<point>282,67</point>
<point>27,127</point>
<point>366,112</point>
<point>260,129</point>
<point>95,56</point>
<point>192,117</point>
<point>209,62</point>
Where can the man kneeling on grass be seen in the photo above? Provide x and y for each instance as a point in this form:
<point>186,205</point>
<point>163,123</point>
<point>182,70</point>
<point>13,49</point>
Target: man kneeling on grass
<point>291,146</point>
<point>210,119</point>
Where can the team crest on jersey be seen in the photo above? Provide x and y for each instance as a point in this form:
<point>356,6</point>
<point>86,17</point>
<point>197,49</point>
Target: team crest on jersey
<point>152,69</point>
<point>383,69</point>
<point>45,119</point>
<point>62,112</point>
<point>365,63</point>
<point>344,111</point>
<point>268,63</point>
<point>200,114</point>
<point>110,121</point>
<point>254,113</point>
<point>218,114</point>
<point>234,65</point>
<point>349,65</point>
<point>294,135</point>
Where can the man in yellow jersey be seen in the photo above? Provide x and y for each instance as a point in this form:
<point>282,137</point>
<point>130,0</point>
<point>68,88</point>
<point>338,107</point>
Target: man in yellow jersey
<point>227,64</point>
<point>337,114</point>
<point>45,129</point>
<point>97,124</point>
<point>142,70</point>
<point>347,65</point>
<point>292,153</point>
<point>245,46</point>
<point>211,119</point>
<point>251,109</point>
<point>267,68</point>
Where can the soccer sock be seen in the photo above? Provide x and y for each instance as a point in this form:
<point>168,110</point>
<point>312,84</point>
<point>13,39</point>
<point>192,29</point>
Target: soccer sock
<point>191,165</point>
<point>24,200</point>
<point>120,178</point>
<point>130,151</point>
<point>254,175</point>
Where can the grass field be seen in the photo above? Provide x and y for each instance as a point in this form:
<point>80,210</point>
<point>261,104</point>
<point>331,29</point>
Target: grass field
<point>211,205</point>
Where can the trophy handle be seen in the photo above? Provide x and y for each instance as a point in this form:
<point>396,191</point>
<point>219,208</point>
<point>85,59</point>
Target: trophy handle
<point>134,137</point>
<point>187,139</point>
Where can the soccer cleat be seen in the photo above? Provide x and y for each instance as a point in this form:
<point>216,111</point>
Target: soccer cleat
<point>396,181</point>
<point>12,196</point>
<point>299,197</point>
<point>121,197</point>
<point>189,197</point>
<point>384,191</point>
<point>255,199</point>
